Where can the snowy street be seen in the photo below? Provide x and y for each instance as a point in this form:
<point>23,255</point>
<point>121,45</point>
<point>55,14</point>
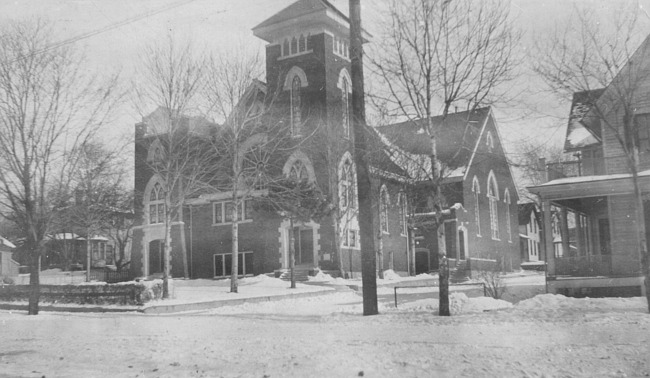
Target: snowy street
<point>326,336</point>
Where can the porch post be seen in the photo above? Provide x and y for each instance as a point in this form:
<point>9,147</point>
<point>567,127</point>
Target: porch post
<point>547,231</point>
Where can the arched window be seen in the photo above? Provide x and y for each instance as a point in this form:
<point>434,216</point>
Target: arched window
<point>295,106</point>
<point>308,42</point>
<point>476,190</point>
<point>506,199</point>
<point>493,198</point>
<point>298,172</point>
<point>383,209</point>
<point>345,108</point>
<point>401,205</point>
<point>156,204</point>
<point>301,43</point>
<point>489,141</point>
<point>285,47</point>
<point>294,45</point>
<point>347,185</point>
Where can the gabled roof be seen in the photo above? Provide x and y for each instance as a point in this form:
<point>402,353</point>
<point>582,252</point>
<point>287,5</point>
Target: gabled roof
<point>298,9</point>
<point>456,141</point>
<point>583,130</point>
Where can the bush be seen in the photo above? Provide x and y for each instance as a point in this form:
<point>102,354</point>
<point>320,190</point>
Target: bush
<point>7,281</point>
<point>495,286</point>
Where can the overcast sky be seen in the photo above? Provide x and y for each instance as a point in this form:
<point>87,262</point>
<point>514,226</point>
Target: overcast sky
<point>114,31</point>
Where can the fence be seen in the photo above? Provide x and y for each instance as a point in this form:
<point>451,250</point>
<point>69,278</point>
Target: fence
<point>450,285</point>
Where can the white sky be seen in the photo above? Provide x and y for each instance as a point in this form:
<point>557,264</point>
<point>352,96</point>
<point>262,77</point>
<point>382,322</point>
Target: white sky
<point>219,25</point>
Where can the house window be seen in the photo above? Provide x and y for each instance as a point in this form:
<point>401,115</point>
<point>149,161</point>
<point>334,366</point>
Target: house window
<point>533,238</point>
<point>493,198</point>
<point>222,212</point>
<point>295,106</point>
<point>347,187</point>
<point>642,123</point>
<point>476,189</point>
<point>401,205</point>
<point>506,199</point>
<point>345,108</point>
<point>302,42</point>
<point>383,209</point>
<point>223,264</point>
<point>341,47</point>
<point>285,48</point>
<point>156,204</point>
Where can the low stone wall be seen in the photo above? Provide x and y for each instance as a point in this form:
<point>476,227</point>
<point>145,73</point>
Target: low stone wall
<point>124,293</point>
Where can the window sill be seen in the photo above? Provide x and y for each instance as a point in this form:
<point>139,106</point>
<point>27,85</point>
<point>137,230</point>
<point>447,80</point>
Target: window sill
<point>230,223</point>
<point>306,52</point>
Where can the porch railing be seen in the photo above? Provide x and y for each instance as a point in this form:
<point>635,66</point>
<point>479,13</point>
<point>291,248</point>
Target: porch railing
<point>583,266</point>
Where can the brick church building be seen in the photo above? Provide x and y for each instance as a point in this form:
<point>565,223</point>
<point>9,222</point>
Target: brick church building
<point>308,70</point>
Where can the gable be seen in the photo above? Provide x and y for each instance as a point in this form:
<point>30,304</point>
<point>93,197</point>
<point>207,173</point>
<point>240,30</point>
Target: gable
<point>582,130</point>
<point>455,141</point>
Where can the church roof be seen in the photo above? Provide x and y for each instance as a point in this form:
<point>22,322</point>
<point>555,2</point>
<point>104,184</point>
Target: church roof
<point>298,9</point>
<point>456,141</point>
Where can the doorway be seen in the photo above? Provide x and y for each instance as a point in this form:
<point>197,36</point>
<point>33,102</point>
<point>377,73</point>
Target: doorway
<point>303,239</point>
<point>421,260</point>
<point>156,253</point>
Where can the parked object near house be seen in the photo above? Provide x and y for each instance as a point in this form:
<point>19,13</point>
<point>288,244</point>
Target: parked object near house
<point>589,205</point>
<point>8,267</point>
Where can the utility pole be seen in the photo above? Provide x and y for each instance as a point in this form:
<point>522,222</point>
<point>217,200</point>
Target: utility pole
<point>368,257</point>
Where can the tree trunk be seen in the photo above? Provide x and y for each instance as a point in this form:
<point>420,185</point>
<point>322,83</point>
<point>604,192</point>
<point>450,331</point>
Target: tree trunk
<point>443,269</point>
<point>34,282</point>
<point>167,254</point>
<point>411,251</point>
<point>235,248</point>
<point>368,257</point>
<point>380,254</point>
<point>641,228</point>
<point>292,253</point>
<point>88,254</point>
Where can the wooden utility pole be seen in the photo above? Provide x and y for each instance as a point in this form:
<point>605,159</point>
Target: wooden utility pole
<point>368,257</point>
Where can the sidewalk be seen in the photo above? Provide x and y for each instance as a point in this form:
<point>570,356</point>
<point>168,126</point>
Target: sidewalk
<point>201,294</point>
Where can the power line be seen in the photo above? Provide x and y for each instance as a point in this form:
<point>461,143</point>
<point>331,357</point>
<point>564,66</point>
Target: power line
<point>114,26</point>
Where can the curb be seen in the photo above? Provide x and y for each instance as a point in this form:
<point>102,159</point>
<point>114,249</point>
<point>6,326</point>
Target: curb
<point>168,309</point>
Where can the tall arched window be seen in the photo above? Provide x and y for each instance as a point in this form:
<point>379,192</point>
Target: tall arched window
<point>476,190</point>
<point>506,199</point>
<point>383,209</point>
<point>493,198</point>
<point>294,45</point>
<point>302,43</point>
<point>401,204</point>
<point>347,187</point>
<point>295,106</point>
<point>156,204</point>
<point>345,108</point>
<point>285,47</point>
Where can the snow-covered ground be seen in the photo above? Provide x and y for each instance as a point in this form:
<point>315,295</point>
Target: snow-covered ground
<point>327,336</point>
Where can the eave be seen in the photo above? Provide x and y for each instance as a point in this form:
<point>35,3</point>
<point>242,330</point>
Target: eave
<point>590,186</point>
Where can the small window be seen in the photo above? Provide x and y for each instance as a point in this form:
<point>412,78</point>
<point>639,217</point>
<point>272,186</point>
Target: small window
<point>490,142</point>
<point>299,172</point>
<point>222,212</point>
<point>476,190</point>
<point>506,199</point>
<point>493,198</point>
<point>301,43</point>
<point>294,45</point>
<point>285,48</point>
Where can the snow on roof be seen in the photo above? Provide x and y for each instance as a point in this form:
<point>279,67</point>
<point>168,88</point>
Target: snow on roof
<point>63,236</point>
<point>6,243</point>
<point>574,180</point>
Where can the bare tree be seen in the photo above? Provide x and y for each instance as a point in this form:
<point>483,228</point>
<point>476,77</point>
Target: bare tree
<point>441,58</point>
<point>49,106</point>
<point>252,144</point>
<point>602,60</point>
<point>438,55</point>
<point>171,76</point>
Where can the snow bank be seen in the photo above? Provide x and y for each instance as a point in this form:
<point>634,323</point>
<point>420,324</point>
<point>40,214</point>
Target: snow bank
<point>560,302</point>
<point>390,275</point>
<point>321,277</point>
